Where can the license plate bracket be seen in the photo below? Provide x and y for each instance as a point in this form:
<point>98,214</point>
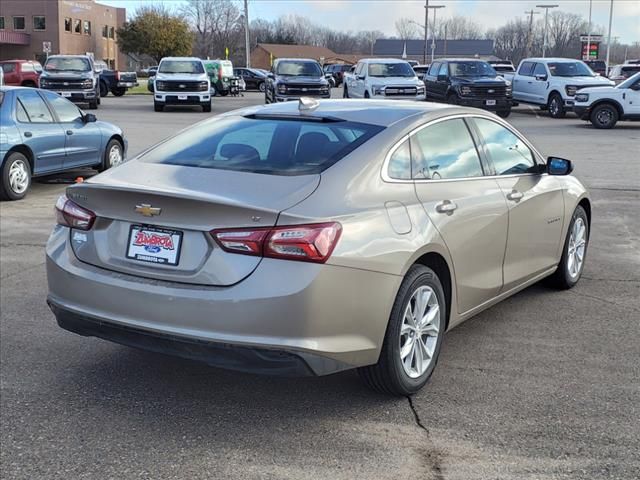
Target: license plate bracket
<point>66,94</point>
<point>182,97</point>
<point>151,244</point>
<point>490,103</point>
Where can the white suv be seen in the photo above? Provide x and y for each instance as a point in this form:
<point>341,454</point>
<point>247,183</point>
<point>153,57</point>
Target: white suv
<point>383,78</point>
<point>605,106</point>
<point>181,81</point>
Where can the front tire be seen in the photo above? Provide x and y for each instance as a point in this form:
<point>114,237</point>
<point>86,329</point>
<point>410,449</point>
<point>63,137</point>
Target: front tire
<point>452,99</point>
<point>104,90</point>
<point>16,177</point>
<point>113,155</point>
<point>345,92</point>
<point>206,107</point>
<point>556,106</point>
<point>504,113</point>
<point>604,116</point>
<point>93,105</point>
<point>414,336</point>
<point>574,252</point>
<point>158,107</point>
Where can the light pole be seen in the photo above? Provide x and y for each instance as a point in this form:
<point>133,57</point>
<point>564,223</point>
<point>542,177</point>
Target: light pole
<point>246,33</point>
<point>426,26</point>
<point>609,35</point>
<point>546,26</point>
<point>433,30</point>
<point>531,13</point>
<point>589,33</point>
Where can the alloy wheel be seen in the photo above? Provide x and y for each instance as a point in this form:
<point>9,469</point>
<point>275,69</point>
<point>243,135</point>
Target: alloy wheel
<point>115,155</point>
<point>419,331</point>
<point>554,108</point>
<point>576,248</point>
<point>19,176</point>
<point>604,117</point>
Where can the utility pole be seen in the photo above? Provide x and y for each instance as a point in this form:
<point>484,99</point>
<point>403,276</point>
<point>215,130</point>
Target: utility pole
<point>531,13</point>
<point>247,45</point>
<point>433,30</point>
<point>589,32</point>
<point>546,26</point>
<point>426,27</point>
<point>609,39</point>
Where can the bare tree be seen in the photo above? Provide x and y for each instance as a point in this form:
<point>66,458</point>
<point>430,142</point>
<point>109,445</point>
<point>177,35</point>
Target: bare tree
<point>406,29</point>
<point>217,26</point>
<point>564,33</point>
<point>459,28</point>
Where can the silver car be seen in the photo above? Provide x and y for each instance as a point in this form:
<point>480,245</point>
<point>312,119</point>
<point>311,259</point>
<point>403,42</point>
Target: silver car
<point>313,237</point>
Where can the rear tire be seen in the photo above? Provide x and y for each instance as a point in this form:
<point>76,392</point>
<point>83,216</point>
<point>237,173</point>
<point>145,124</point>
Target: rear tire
<point>408,344</point>
<point>158,107</point>
<point>572,263</point>
<point>118,92</point>
<point>15,177</point>
<point>366,94</point>
<point>104,90</point>
<point>556,106</point>
<point>604,116</point>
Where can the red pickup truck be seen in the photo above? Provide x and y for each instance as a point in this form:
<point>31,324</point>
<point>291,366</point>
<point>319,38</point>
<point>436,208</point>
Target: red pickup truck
<point>25,73</point>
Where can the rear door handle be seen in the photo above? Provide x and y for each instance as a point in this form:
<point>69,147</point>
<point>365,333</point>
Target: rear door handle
<point>446,206</point>
<point>515,195</point>
<point>28,134</point>
<point>69,132</point>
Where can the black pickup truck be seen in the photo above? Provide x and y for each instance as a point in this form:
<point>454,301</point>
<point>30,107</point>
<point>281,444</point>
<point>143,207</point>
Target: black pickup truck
<point>468,82</point>
<point>114,81</point>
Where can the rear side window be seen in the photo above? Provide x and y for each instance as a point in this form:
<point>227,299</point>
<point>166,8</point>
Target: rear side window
<point>34,106</point>
<point>265,145</point>
<point>445,150</point>
<point>526,69</point>
<point>400,162</point>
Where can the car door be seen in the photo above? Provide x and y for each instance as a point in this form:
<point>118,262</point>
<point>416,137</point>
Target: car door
<point>83,140</point>
<point>11,74</point>
<point>430,80</point>
<point>631,98</point>
<point>39,131</point>
<point>442,81</point>
<point>523,81</point>
<point>358,86</point>
<point>539,85</point>
<point>467,207</point>
<point>535,201</point>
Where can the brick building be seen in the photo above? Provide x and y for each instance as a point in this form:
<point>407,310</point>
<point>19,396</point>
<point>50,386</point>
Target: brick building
<point>71,27</point>
<point>263,54</point>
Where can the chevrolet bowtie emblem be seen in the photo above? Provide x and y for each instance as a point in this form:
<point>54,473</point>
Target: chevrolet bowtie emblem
<point>147,210</point>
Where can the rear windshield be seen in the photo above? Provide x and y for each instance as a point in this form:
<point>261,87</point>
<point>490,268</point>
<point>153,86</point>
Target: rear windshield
<point>263,145</point>
<point>76,64</point>
<point>628,71</point>
<point>400,69</point>
<point>181,66</point>
<point>306,69</point>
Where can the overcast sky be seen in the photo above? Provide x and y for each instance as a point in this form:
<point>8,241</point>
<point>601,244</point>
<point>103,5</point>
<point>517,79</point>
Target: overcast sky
<point>382,14</point>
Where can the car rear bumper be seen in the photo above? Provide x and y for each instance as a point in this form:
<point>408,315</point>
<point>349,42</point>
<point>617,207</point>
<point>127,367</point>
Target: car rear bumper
<point>126,84</point>
<point>333,318</point>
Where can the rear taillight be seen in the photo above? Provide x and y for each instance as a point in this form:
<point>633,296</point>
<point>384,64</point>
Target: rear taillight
<point>69,214</point>
<point>117,75</point>
<point>306,243</point>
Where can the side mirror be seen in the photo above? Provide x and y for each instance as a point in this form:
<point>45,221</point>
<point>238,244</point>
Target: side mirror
<point>541,78</point>
<point>442,78</point>
<point>361,77</point>
<point>89,118</point>
<point>559,166</point>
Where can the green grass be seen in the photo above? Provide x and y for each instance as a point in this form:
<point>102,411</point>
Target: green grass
<point>140,89</point>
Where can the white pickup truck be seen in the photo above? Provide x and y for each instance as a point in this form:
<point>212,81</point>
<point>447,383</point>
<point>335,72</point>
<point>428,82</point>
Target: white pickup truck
<point>181,81</point>
<point>552,83</point>
<point>383,78</point>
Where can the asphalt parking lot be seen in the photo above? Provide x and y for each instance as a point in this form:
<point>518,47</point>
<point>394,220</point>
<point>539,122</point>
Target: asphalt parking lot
<point>545,385</point>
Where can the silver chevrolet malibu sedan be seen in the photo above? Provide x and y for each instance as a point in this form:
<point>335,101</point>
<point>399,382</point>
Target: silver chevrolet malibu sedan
<point>308,237</point>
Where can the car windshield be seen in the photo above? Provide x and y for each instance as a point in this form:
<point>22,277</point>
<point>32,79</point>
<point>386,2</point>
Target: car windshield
<point>630,81</point>
<point>397,69</point>
<point>259,73</point>
<point>267,145</point>
<point>570,69</point>
<point>471,69</point>
<point>181,66</point>
<point>299,69</point>
<point>76,64</point>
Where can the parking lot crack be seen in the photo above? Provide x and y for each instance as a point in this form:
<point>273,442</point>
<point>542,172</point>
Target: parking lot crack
<point>432,456</point>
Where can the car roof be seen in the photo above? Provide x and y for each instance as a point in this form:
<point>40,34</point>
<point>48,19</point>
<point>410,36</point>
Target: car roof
<point>287,59</point>
<point>383,60</point>
<point>459,59</point>
<point>180,58</point>
<point>551,59</point>
<point>63,55</point>
<point>374,112</point>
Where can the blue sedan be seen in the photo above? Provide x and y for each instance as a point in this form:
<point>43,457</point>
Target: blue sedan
<point>42,133</point>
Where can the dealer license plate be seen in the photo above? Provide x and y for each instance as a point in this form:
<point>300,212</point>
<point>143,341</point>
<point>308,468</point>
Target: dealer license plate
<point>66,94</point>
<point>182,97</point>
<point>491,103</point>
<point>154,245</point>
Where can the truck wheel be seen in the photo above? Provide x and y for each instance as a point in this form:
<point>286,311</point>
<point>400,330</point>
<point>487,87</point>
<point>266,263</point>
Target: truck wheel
<point>104,90</point>
<point>16,177</point>
<point>604,116</point>
<point>93,105</point>
<point>556,106</point>
<point>118,92</point>
<point>113,155</point>
<point>224,93</point>
<point>345,92</point>
<point>158,107</point>
<point>206,107</point>
<point>261,86</point>
<point>213,90</point>
<point>504,113</point>
<point>452,99</point>
<point>366,94</point>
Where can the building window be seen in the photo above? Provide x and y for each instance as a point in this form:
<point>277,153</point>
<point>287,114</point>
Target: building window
<point>112,32</point>
<point>87,27</point>
<point>18,23</point>
<point>77,26</point>
<point>105,31</point>
<point>39,22</point>
<point>1,23</point>
<point>67,24</point>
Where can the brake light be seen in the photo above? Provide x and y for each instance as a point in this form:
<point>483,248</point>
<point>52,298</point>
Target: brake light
<point>306,243</point>
<point>69,214</point>
<point>118,75</point>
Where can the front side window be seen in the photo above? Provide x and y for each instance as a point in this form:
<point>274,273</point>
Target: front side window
<point>507,152</point>
<point>34,106</point>
<point>400,162</point>
<point>8,67</point>
<point>539,70</point>
<point>471,69</point>
<point>181,66</point>
<point>443,70</point>
<point>65,110</point>
<point>263,145</point>
<point>433,69</point>
<point>18,23</point>
<point>67,24</point>
<point>39,22</point>
<point>86,27</point>
<point>445,150</point>
<point>77,26</point>
<point>570,69</point>
<point>526,69</point>
<point>400,69</point>
<point>302,69</point>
